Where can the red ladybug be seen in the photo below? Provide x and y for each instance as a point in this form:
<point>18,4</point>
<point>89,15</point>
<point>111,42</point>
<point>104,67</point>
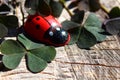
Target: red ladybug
<point>47,30</point>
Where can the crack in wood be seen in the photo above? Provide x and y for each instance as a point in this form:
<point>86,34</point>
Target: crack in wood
<point>106,49</point>
<point>9,74</point>
<point>103,65</point>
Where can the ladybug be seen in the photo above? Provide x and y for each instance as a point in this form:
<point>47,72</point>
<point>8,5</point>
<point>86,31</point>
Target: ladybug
<point>46,29</point>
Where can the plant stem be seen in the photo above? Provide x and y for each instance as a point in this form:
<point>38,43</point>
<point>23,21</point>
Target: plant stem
<point>66,8</point>
<point>104,9</point>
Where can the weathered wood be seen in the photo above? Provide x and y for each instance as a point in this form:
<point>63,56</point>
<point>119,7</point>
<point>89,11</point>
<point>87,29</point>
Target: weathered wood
<point>101,62</point>
<point>72,63</point>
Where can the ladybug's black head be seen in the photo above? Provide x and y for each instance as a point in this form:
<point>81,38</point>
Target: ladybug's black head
<point>57,35</point>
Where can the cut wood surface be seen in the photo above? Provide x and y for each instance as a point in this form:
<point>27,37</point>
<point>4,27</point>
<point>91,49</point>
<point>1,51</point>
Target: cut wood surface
<point>101,62</point>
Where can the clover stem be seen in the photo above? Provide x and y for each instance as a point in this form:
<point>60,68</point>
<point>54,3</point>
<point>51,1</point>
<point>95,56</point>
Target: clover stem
<point>66,8</point>
<point>104,9</point>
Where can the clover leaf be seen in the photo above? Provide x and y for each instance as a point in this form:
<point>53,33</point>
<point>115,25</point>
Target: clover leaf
<point>13,53</point>
<point>12,61</point>
<point>86,34</point>
<point>75,33</point>
<point>44,8</point>
<point>56,8</point>
<point>10,21</point>
<point>114,12</point>
<point>73,28</point>
<point>46,53</point>
<point>35,64</point>
<point>28,43</point>
<point>112,26</point>
<point>37,58</point>
<point>9,47</point>
<point>94,25</point>
<point>3,30</point>
<point>94,5</point>
<point>37,55</point>
<point>86,39</point>
<point>33,6</point>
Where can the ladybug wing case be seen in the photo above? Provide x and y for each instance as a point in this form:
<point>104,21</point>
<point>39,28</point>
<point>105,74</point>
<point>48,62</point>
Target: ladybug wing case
<point>47,30</point>
<point>36,27</point>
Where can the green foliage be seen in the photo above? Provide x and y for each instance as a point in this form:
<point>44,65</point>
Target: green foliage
<point>94,5</point>
<point>44,8</point>
<point>13,53</point>
<point>4,8</point>
<point>11,61</point>
<point>41,6</point>
<point>56,8</point>
<point>78,17</point>
<point>86,39</point>
<point>31,6</point>
<point>6,23</point>
<point>37,58</point>
<point>75,32</point>
<point>112,26</point>
<point>35,63</point>
<point>38,55</point>
<point>84,31</point>
<point>9,21</point>
<point>87,34</point>
<point>93,25</point>
<point>28,43</point>
<point>91,5</point>
<point>114,13</point>
<point>46,53</point>
<point>67,25</point>
<point>11,47</point>
<point>3,30</point>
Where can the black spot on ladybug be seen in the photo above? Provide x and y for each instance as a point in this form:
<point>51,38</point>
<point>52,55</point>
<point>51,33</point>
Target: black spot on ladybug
<point>37,26</point>
<point>37,18</point>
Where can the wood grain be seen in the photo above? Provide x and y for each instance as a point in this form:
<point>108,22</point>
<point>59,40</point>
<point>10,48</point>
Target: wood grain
<point>101,62</point>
